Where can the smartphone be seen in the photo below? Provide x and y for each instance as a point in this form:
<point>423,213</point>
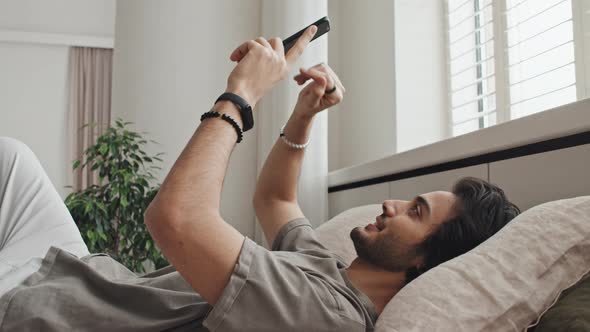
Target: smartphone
<point>323,25</point>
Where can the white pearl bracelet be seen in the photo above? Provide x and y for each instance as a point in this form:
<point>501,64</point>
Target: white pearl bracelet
<point>291,144</point>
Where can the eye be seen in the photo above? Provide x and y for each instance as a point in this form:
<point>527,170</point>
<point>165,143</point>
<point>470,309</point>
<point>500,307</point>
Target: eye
<point>415,210</point>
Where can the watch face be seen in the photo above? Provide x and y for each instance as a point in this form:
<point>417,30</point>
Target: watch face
<point>247,118</point>
<point>245,109</point>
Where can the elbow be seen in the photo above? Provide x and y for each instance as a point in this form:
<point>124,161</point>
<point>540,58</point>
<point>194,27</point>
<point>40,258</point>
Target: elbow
<point>150,215</point>
<point>262,202</point>
<point>164,224</point>
<point>160,216</point>
<point>262,198</point>
<point>154,217</point>
<point>153,212</point>
<point>257,202</point>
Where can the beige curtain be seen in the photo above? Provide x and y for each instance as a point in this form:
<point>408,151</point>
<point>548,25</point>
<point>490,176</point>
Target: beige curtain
<point>90,79</point>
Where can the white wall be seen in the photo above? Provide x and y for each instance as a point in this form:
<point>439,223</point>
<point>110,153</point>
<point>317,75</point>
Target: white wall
<point>361,51</point>
<point>32,103</point>
<point>77,17</point>
<point>420,68</point>
<point>391,58</point>
<point>171,62</point>
<point>33,75</point>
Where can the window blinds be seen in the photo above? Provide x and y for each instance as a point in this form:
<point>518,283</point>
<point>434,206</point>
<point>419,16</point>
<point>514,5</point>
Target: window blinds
<point>471,64</point>
<point>540,49</point>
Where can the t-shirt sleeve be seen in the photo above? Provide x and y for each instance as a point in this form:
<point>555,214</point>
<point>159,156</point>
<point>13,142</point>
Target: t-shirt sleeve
<point>297,235</point>
<point>268,292</point>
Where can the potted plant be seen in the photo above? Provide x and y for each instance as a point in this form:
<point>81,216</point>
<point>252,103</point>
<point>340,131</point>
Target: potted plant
<point>110,214</point>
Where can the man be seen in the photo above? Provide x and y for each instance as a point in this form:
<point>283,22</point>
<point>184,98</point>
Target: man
<point>224,281</point>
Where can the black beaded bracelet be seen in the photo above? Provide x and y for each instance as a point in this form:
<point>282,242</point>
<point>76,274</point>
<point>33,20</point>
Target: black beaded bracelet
<point>215,114</point>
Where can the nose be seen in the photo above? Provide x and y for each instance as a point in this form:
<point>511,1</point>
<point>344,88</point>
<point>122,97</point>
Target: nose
<point>392,207</point>
<point>389,208</point>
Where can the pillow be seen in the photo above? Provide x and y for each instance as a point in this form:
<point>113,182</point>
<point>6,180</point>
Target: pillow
<point>504,284</point>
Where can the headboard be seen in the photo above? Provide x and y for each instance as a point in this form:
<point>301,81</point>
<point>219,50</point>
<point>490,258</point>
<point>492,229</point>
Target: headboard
<point>530,174</point>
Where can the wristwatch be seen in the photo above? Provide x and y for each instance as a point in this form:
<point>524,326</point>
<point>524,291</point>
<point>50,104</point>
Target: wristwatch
<point>243,106</point>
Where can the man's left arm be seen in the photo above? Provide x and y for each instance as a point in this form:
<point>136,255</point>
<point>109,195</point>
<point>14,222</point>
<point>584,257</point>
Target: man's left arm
<point>184,218</point>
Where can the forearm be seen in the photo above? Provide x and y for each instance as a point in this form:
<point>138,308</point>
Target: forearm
<point>184,217</point>
<point>280,173</point>
<point>193,185</point>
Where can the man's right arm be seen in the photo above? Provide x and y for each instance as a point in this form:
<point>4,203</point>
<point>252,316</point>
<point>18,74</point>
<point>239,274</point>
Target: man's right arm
<point>275,200</point>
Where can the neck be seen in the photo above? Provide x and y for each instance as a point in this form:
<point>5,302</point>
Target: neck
<point>378,284</point>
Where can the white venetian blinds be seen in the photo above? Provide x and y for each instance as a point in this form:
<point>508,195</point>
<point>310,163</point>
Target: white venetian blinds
<point>534,42</point>
<point>540,55</point>
<point>471,64</point>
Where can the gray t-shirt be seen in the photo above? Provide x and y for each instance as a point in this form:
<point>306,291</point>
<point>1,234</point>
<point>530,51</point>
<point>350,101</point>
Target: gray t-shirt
<point>299,286</point>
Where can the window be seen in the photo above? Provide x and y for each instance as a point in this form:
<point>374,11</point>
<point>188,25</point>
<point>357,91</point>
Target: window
<point>508,59</point>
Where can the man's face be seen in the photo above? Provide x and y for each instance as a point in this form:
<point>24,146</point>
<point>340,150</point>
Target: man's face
<point>391,242</point>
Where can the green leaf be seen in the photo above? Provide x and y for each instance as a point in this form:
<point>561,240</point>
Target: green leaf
<point>76,164</point>
<point>127,177</point>
<point>103,149</point>
<point>124,202</point>
<point>99,226</point>
<point>87,207</point>
<point>113,149</point>
<point>102,207</point>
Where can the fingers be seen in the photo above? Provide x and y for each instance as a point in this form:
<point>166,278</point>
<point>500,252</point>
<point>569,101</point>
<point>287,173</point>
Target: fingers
<point>323,81</point>
<point>316,75</point>
<point>262,41</point>
<point>297,49</point>
<point>277,45</point>
<point>320,84</point>
<point>242,50</point>
<point>325,68</point>
<point>302,77</point>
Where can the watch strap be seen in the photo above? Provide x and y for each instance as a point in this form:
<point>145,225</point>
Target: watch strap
<point>243,106</point>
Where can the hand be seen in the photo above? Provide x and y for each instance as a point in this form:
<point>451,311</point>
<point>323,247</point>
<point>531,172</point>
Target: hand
<point>313,98</point>
<point>262,63</point>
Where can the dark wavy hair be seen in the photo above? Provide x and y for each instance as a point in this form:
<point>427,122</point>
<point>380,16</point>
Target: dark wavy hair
<point>481,210</point>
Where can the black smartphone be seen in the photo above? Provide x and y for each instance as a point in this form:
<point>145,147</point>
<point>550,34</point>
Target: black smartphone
<point>323,25</point>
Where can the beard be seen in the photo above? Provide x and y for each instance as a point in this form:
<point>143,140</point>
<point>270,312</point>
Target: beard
<point>385,252</point>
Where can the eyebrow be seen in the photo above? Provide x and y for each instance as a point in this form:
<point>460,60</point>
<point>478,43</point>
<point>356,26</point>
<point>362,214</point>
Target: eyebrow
<point>422,201</point>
